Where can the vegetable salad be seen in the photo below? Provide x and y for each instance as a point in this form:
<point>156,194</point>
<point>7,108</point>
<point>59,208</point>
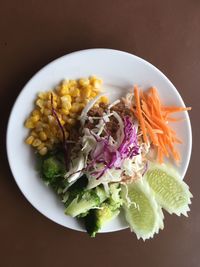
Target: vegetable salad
<point>111,159</point>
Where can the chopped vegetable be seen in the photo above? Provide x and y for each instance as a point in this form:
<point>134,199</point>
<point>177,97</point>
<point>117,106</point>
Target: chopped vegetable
<point>82,203</point>
<point>142,212</point>
<point>139,112</point>
<point>170,191</point>
<point>153,118</point>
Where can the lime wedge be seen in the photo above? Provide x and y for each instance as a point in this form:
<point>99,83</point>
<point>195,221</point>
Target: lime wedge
<point>142,212</point>
<point>170,191</point>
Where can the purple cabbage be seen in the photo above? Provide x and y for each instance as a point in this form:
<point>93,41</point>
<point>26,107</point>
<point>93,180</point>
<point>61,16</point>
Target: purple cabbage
<point>111,156</point>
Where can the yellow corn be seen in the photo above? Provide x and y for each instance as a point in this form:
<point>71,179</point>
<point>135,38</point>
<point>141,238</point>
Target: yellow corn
<point>40,146</point>
<point>65,111</point>
<point>40,103</point>
<point>29,123</point>
<point>36,142</point>
<point>35,118</point>
<point>86,91</point>
<point>30,140</point>
<point>76,107</point>
<point>75,92</point>
<point>43,136</point>
<point>84,82</point>
<point>69,98</point>
<point>104,100</point>
<point>35,112</point>
<point>47,112</point>
<point>43,151</point>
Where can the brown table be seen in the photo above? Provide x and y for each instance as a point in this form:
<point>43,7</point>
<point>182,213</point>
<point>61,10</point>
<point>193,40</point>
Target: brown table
<point>32,33</point>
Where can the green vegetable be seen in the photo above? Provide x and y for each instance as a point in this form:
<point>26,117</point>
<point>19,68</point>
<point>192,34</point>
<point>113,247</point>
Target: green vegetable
<point>83,202</point>
<point>142,212</point>
<point>97,218</point>
<point>52,168</point>
<point>170,191</point>
<point>107,211</point>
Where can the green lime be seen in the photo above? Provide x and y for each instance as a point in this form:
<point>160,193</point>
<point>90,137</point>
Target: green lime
<point>170,191</point>
<point>142,212</point>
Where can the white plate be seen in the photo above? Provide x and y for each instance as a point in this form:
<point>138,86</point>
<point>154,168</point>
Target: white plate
<point>120,71</point>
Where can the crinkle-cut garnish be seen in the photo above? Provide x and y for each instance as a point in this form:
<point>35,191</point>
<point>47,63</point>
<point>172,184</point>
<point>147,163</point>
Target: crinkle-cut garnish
<point>170,191</point>
<point>142,212</point>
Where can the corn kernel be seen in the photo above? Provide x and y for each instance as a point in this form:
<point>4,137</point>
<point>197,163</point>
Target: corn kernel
<point>35,112</point>
<point>97,83</point>
<point>42,95</point>
<point>65,111</point>
<point>29,124</point>
<point>38,129</point>
<point>63,90</point>
<point>40,146</point>
<point>48,104</point>
<point>104,100</point>
<point>36,142</point>
<point>71,121</point>
<point>30,140</point>
<point>43,136</point>
<point>35,118</point>
<point>72,83</point>
<point>47,112</point>
<point>66,101</point>
<point>34,134</point>
<point>84,82</point>
<point>75,92</point>
<point>43,151</point>
<point>93,94</point>
<point>86,91</point>
<point>76,107</point>
<point>40,103</point>
<point>51,119</point>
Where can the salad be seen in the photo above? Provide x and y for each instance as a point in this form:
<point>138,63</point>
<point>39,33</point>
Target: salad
<point>104,158</point>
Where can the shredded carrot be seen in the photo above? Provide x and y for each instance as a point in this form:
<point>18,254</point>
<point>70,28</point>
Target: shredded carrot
<point>152,135</point>
<point>167,118</point>
<point>139,111</point>
<point>175,109</point>
<point>153,118</point>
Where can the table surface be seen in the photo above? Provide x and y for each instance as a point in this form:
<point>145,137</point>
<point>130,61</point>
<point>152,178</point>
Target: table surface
<point>33,33</point>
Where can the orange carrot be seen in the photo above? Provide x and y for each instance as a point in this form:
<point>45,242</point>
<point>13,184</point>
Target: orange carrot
<point>139,111</point>
<point>153,118</point>
<point>151,134</point>
<point>175,109</point>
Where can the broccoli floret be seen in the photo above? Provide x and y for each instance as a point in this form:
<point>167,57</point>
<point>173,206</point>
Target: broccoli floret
<point>108,210</point>
<point>52,168</point>
<point>97,218</point>
<point>83,202</point>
